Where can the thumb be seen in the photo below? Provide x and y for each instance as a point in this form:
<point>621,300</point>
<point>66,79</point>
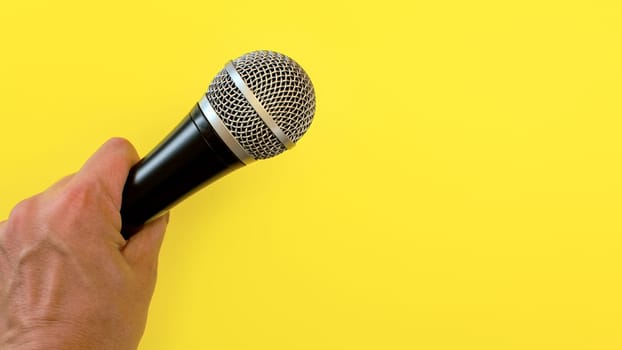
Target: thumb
<point>142,250</point>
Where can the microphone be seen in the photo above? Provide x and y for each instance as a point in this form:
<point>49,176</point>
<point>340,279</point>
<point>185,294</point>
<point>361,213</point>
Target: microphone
<point>258,106</point>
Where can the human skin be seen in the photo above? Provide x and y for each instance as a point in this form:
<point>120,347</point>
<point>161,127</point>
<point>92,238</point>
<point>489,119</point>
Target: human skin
<point>68,278</point>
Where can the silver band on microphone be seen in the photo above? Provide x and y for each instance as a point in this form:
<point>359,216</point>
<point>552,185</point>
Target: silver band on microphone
<point>261,111</point>
<point>223,132</point>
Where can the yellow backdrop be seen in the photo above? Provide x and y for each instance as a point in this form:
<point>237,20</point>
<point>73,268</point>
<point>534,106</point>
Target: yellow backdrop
<point>460,187</point>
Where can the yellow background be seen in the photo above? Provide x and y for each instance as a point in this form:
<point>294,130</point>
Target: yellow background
<point>460,187</point>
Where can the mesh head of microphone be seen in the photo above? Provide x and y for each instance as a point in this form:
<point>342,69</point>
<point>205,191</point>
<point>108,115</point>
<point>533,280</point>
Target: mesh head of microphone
<point>283,89</point>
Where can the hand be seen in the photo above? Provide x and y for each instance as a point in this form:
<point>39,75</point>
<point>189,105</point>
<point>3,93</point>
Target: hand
<point>68,279</point>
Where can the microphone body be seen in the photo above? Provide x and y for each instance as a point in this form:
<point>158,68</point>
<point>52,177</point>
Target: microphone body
<point>189,158</point>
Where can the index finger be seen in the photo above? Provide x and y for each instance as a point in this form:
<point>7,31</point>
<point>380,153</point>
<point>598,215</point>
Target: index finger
<point>109,167</point>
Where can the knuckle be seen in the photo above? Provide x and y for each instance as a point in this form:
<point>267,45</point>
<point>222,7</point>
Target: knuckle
<point>23,213</point>
<point>23,223</point>
<point>80,206</point>
<point>120,142</point>
<point>122,145</point>
<point>77,196</point>
<point>66,210</point>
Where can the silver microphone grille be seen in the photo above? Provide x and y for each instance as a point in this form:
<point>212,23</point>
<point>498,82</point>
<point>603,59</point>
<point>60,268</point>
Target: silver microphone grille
<point>282,88</point>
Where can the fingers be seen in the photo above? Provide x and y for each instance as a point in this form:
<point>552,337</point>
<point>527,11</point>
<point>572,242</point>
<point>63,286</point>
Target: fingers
<point>143,248</point>
<point>109,167</point>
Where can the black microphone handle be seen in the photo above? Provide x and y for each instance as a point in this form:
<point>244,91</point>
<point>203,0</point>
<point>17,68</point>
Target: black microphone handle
<point>189,158</point>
